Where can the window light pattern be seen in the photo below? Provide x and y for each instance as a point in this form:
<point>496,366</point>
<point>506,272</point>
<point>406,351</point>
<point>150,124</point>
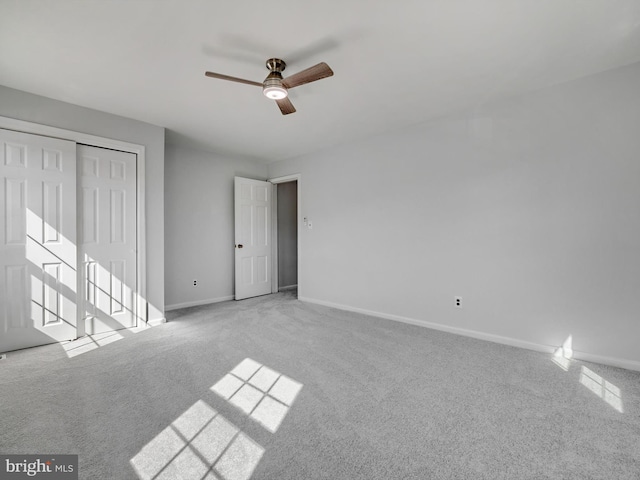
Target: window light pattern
<point>91,342</point>
<point>200,444</point>
<point>607,391</point>
<point>260,392</point>
<point>562,356</point>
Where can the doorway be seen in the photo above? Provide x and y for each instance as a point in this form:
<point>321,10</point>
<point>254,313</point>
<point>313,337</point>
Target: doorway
<point>287,231</point>
<point>266,236</point>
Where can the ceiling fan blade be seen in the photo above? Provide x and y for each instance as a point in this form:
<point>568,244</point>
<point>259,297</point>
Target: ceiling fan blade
<point>308,75</point>
<point>286,107</point>
<point>232,79</point>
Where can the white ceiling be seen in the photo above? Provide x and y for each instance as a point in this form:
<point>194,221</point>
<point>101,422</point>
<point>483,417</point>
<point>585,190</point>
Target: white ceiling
<point>396,63</point>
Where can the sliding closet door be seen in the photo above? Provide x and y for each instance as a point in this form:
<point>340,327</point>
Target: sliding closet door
<point>108,238</point>
<point>37,240</point>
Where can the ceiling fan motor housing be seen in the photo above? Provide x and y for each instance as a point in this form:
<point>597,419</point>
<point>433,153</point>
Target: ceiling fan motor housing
<point>276,65</point>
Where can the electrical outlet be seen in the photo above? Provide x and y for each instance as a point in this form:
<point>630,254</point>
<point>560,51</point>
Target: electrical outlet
<point>195,283</point>
<point>457,302</point>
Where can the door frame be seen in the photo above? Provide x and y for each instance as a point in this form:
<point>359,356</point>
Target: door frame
<point>140,304</point>
<point>296,177</point>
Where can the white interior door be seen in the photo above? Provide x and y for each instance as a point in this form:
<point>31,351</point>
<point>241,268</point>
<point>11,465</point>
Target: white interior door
<point>38,253</point>
<point>252,237</point>
<point>107,224</point>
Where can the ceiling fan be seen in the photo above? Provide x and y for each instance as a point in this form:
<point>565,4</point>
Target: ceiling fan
<point>275,87</point>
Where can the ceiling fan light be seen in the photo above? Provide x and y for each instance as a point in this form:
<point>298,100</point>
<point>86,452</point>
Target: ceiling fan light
<point>275,92</point>
<point>273,88</point>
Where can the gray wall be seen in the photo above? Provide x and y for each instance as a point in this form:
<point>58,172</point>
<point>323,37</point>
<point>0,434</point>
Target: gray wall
<point>199,223</point>
<point>528,209</point>
<point>287,234</point>
<point>33,108</point>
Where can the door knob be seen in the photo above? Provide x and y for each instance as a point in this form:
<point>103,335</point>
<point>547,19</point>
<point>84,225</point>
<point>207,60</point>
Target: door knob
<point>239,246</point>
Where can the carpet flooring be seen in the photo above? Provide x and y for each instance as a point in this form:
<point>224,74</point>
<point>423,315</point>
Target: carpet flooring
<point>273,388</point>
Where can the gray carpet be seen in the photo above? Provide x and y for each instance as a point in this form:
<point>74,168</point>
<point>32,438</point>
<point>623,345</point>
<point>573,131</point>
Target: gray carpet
<point>356,398</point>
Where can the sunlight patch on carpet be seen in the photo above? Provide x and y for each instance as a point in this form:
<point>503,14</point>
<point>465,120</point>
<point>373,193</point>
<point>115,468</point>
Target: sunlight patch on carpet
<point>260,392</point>
<point>200,443</point>
<point>562,356</point>
<point>92,342</point>
<point>607,391</point>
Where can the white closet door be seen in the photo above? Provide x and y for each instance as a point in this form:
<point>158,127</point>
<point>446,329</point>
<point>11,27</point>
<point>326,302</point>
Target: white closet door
<point>107,227</point>
<point>37,240</point>
<point>253,237</point>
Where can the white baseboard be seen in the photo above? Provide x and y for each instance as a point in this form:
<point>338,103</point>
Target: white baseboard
<point>177,306</point>
<point>288,287</point>
<point>157,321</point>
<point>611,361</point>
<point>513,342</point>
